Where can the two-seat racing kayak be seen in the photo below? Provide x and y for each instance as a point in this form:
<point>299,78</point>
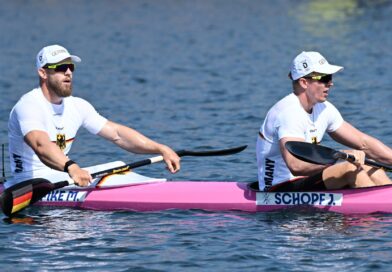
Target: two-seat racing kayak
<point>126,190</point>
<point>133,192</point>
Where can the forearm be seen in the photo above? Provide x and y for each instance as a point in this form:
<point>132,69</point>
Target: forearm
<point>130,140</point>
<point>301,168</point>
<point>376,150</point>
<point>133,141</point>
<point>352,137</point>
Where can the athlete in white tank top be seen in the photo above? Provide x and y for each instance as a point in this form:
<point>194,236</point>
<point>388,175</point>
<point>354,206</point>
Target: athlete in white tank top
<point>287,118</point>
<point>44,122</point>
<point>305,115</point>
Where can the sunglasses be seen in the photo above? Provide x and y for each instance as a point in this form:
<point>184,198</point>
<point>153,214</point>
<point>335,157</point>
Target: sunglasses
<point>63,67</point>
<point>323,78</point>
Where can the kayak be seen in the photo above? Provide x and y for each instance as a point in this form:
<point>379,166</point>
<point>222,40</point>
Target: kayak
<point>130,191</point>
<point>218,196</point>
<point>158,195</point>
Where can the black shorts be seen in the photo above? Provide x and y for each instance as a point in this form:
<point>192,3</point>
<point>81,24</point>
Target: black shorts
<point>305,184</point>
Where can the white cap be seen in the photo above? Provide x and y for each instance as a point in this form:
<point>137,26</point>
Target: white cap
<point>308,62</point>
<point>54,54</point>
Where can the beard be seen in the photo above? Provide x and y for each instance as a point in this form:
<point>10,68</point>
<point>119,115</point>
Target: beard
<point>61,90</point>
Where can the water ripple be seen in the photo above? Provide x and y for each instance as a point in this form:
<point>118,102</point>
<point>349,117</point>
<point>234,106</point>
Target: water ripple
<point>198,74</point>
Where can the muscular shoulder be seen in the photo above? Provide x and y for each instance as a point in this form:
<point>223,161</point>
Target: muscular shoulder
<point>30,99</point>
<point>83,108</point>
<point>78,101</point>
<point>326,108</point>
<point>79,104</point>
<point>329,105</point>
<point>287,107</point>
<point>30,104</point>
<point>284,112</point>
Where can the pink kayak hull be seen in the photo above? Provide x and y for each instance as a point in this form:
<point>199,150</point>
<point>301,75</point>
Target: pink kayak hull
<point>220,196</point>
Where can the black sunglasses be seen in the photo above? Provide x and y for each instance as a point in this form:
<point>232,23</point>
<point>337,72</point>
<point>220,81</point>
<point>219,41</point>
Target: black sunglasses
<point>322,78</point>
<point>63,67</point>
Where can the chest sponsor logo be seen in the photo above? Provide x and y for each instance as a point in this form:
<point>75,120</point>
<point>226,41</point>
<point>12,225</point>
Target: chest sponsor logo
<point>65,196</point>
<point>298,199</point>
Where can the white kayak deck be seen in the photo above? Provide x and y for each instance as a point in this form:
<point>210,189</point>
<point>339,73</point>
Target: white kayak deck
<point>115,180</point>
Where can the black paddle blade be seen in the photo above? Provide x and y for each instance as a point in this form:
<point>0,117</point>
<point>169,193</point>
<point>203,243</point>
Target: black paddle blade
<point>16,198</point>
<point>221,152</point>
<point>312,153</point>
<point>21,195</point>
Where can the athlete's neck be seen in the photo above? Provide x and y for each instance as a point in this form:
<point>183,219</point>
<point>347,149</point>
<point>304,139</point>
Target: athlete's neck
<point>306,103</point>
<point>51,96</point>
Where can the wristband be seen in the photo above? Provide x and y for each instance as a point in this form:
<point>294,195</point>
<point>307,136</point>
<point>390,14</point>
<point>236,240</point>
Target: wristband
<point>68,164</point>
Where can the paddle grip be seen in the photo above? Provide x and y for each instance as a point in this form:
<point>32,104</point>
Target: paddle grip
<point>344,156</point>
<point>349,157</point>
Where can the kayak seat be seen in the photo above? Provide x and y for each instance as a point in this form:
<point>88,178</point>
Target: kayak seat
<point>254,186</point>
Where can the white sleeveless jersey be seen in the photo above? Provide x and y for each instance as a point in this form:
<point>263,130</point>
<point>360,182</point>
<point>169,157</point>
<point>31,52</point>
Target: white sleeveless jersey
<point>287,118</point>
<point>34,112</point>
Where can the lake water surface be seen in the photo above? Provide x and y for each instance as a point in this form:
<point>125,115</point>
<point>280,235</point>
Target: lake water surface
<point>197,74</point>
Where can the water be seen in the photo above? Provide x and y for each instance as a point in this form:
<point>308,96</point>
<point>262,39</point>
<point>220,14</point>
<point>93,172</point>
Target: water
<point>197,74</point>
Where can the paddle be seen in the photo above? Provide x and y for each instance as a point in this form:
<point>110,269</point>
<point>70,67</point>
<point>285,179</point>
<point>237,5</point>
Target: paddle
<point>21,195</point>
<point>319,154</point>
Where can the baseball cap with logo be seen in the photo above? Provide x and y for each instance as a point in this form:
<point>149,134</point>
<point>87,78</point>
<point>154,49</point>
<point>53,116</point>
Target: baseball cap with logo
<point>309,62</point>
<point>54,54</point>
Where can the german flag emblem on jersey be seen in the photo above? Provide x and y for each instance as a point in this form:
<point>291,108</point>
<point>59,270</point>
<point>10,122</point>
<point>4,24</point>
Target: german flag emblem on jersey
<point>60,141</point>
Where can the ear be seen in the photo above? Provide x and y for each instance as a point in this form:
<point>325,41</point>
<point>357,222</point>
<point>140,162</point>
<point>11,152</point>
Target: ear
<point>42,73</point>
<point>303,82</point>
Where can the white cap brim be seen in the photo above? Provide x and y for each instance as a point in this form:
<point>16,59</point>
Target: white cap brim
<point>75,58</point>
<point>328,69</point>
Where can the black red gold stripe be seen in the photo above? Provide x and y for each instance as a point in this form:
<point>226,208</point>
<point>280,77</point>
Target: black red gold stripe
<point>102,181</point>
<point>21,197</point>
